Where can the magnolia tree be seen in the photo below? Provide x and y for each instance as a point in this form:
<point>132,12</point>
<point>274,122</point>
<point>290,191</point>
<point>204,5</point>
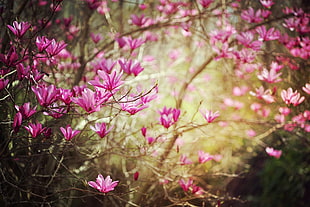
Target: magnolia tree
<point>146,103</point>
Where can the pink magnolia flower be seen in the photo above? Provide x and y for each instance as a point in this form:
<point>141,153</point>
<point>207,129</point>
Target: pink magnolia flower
<point>305,88</point>
<point>143,131</point>
<point>45,95</point>
<point>265,35</point>
<point>131,67</point>
<point>274,153</point>
<point>111,81</point>
<point>210,116</point>
<point>246,38</point>
<point>25,110</point>
<point>35,129</point>
<point>205,3</point>
<point>255,106</point>
<point>65,95</point>
<point>204,157</point>
<point>68,132</point>
<point>96,37</point>
<point>10,58</point>
<point>93,4</point>
<point>133,43</point>
<point>285,111</point>
<point>186,184</point>
<point>88,101</point>
<point>270,76</point>
<point>133,106</point>
<point>141,21</point>
<point>184,160</point>
<point>250,133</point>
<point>143,6</point>
<point>136,175</point>
<point>103,185</point>
<point>290,97</point>
<point>267,3</point>
<point>101,129</point>
<point>224,52</point>
<point>3,83</point>
<point>260,93</point>
<point>106,65</point>
<point>19,29</point>
<point>42,43</point>
<point>103,8</point>
<point>17,122</point>
<point>55,47</point>
<point>251,16</point>
<point>169,116</point>
<point>240,91</point>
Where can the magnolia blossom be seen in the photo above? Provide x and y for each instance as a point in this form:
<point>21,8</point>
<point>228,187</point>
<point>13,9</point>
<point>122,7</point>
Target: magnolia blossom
<point>186,184</point>
<point>290,97</point>
<point>101,129</point>
<point>3,83</point>
<point>270,76</point>
<point>68,132</point>
<point>88,101</point>
<point>306,88</point>
<point>210,116</point>
<point>131,67</point>
<point>274,153</point>
<point>267,3</point>
<point>25,110</point>
<point>19,29</point>
<point>251,16</point>
<point>260,93</point>
<point>169,116</point>
<point>185,160</point>
<point>103,185</point>
<point>111,82</point>
<point>35,129</point>
<point>205,3</point>
<point>267,35</point>
<point>46,95</point>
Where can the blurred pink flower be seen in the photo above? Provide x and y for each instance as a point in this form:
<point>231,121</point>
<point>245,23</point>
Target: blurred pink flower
<point>204,156</point>
<point>103,185</point>
<point>285,111</point>
<point>205,3</point>
<point>274,153</point>
<point>267,3</point>
<point>305,88</point>
<point>184,160</point>
<point>3,83</point>
<point>250,133</point>
<point>251,16</point>
<point>186,184</point>
<point>247,39</point>
<point>136,175</point>
<point>264,35</point>
<point>260,93</point>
